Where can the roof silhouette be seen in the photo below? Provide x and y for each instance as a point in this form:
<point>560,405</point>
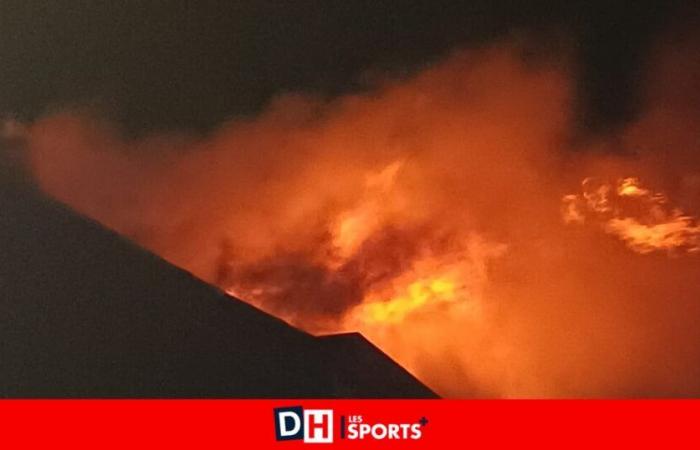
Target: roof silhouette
<point>86,313</point>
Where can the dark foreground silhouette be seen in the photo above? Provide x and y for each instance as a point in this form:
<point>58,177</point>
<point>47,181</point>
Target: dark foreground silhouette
<point>86,313</point>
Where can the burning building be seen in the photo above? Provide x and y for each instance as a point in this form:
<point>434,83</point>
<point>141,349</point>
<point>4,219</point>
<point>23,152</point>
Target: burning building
<point>86,313</point>
<point>465,215</point>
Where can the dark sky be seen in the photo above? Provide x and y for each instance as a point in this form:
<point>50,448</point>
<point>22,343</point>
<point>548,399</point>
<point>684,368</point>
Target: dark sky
<point>190,64</point>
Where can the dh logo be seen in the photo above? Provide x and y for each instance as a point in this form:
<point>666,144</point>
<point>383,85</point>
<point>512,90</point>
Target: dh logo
<point>314,426</point>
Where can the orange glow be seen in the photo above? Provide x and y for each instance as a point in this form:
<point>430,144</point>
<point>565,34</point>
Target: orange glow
<point>646,225</point>
<point>629,187</point>
<point>418,293</point>
<point>356,225</point>
<point>442,215</point>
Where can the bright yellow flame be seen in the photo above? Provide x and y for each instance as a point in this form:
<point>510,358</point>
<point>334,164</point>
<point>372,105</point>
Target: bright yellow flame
<point>418,293</point>
<point>629,187</point>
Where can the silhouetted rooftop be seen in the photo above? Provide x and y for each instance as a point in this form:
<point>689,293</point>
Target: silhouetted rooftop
<point>86,313</point>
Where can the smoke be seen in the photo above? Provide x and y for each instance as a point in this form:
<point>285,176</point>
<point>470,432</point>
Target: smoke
<point>443,215</point>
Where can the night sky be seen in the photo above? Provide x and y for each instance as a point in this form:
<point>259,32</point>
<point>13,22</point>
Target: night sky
<point>188,65</point>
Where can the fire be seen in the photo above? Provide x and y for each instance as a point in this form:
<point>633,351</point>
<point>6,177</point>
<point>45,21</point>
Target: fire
<point>677,231</point>
<point>418,293</point>
<point>429,214</point>
<point>432,283</point>
<point>356,225</point>
<point>629,187</point>
<point>638,216</point>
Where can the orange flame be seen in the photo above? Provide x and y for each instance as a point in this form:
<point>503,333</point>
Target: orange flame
<point>646,224</point>
<point>424,213</point>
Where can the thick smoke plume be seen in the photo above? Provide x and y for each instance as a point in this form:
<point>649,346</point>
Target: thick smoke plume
<point>447,216</point>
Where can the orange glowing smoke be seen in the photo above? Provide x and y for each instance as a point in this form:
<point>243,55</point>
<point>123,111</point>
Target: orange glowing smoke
<point>426,214</point>
<point>641,218</point>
